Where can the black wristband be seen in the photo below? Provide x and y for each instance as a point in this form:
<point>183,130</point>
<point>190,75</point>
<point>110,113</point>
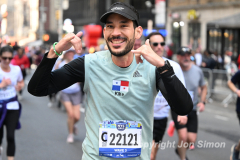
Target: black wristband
<point>166,66</point>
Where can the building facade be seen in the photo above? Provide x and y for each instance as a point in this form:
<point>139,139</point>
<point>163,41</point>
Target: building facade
<point>19,20</point>
<point>84,12</point>
<point>205,24</point>
<point>23,21</point>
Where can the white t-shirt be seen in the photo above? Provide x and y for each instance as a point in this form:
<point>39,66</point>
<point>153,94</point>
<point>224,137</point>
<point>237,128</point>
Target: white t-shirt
<point>73,88</point>
<point>9,92</point>
<point>198,57</point>
<point>161,107</point>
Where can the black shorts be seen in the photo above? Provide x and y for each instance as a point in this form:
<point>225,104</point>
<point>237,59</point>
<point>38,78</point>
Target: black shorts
<point>159,127</point>
<point>238,114</point>
<point>192,123</point>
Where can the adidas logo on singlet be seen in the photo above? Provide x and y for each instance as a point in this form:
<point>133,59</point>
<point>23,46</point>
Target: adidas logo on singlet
<point>137,74</point>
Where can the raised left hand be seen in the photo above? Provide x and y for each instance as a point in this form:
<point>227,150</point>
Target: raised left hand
<point>148,54</point>
<point>19,86</point>
<point>182,120</point>
<point>201,106</point>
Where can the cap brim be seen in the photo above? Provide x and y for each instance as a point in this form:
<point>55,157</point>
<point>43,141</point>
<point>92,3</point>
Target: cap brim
<point>183,53</point>
<point>104,17</point>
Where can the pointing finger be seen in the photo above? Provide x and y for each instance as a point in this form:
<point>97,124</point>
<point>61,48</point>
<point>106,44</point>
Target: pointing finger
<point>69,37</point>
<point>79,34</point>
<point>136,51</point>
<point>147,42</point>
<point>77,44</point>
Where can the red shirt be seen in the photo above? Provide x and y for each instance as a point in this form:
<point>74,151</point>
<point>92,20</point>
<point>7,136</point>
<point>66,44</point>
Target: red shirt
<point>22,62</point>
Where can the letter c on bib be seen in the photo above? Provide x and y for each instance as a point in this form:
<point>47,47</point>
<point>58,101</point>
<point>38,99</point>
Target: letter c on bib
<point>103,135</point>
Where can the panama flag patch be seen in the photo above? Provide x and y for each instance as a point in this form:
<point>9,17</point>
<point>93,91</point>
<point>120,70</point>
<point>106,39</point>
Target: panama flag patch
<point>121,86</point>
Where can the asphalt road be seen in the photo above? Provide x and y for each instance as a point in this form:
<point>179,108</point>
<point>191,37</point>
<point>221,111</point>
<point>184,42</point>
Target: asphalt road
<point>44,132</point>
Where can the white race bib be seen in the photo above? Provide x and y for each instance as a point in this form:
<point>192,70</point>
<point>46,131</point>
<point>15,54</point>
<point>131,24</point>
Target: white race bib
<point>120,138</point>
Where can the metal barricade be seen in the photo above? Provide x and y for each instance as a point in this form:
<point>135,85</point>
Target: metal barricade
<point>208,77</point>
<point>221,77</point>
<point>217,85</point>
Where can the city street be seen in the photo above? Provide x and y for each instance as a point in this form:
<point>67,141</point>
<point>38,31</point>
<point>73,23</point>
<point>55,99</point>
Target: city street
<point>44,132</point>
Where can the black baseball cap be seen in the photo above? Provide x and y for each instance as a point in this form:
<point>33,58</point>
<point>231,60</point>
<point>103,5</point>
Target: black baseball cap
<point>123,9</point>
<point>184,50</point>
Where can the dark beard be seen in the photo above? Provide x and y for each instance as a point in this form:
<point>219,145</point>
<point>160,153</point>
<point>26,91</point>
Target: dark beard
<point>126,50</point>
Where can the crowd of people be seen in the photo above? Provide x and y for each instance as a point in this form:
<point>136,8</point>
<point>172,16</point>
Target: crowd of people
<point>129,84</point>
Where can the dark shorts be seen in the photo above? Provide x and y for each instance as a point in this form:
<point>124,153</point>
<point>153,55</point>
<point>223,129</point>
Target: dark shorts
<point>159,127</point>
<point>192,123</point>
<point>74,98</point>
<point>238,114</point>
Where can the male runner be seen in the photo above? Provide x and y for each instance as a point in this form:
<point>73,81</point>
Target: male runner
<point>161,107</point>
<point>119,105</point>
<point>194,79</point>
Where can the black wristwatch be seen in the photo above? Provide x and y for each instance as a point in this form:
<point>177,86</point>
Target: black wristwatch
<point>203,102</point>
<point>166,66</point>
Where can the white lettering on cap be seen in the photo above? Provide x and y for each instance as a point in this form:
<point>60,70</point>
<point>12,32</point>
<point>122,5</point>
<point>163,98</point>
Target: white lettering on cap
<point>117,8</point>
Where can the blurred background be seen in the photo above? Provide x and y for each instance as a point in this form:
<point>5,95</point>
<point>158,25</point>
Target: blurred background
<point>200,24</point>
<point>211,28</point>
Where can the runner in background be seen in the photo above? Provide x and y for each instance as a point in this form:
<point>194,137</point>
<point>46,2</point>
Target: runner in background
<point>161,106</point>
<point>70,98</point>
<point>22,61</point>
<point>81,54</point>
<point>11,81</point>
<point>194,79</point>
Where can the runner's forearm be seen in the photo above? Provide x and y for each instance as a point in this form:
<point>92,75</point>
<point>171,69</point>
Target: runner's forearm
<point>203,93</point>
<point>38,84</point>
<point>52,54</point>
<point>175,93</point>
<point>45,82</point>
<point>232,86</point>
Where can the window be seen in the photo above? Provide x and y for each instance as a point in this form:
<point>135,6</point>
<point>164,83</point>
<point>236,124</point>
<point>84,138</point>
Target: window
<point>215,36</point>
<point>231,41</point>
<point>194,36</point>
<point>176,36</point>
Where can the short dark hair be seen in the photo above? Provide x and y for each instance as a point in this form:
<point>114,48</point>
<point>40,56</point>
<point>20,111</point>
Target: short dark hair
<point>153,34</point>
<point>6,49</point>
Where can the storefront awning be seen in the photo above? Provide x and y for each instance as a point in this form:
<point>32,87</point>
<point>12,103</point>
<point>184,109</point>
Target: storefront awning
<point>228,22</point>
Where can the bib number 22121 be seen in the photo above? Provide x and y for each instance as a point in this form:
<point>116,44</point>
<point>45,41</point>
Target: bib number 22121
<point>120,139</point>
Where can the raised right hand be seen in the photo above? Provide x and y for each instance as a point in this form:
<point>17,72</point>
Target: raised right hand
<point>68,41</point>
<point>182,120</point>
